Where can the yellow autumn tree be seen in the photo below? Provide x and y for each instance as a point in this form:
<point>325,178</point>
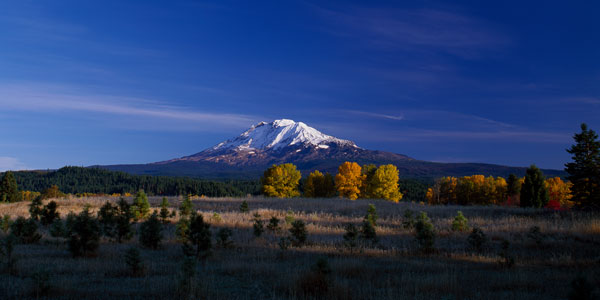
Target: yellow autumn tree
<point>319,185</point>
<point>560,191</point>
<point>385,183</point>
<point>281,181</point>
<point>349,180</point>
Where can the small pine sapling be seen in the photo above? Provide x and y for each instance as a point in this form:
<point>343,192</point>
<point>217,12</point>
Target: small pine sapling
<point>257,226</point>
<point>273,225</point>
<point>58,229</point>
<point>84,234</point>
<point>289,217</point>
<point>224,238</point>
<point>299,233</point>
<point>371,215</point>
<point>5,223</point>
<point>409,221</point>
<point>185,210</point>
<point>124,219</point>
<point>35,208</point>
<point>25,230</point>
<point>49,213</point>
<point>535,234</point>
<point>460,223</point>
<point>151,232</point>
<point>368,232</point>
<point>477,239</point>
<point>216,218</point>
<point>107,218</point>
<point>284,243</point>
<point>424,233</point>
<point>133,260</point>
<point>199,237</point>
<point>351,236</point>
<point>244,207</point>
<point>508,261</point>
<point>141,206</point>
<point>164,210</point>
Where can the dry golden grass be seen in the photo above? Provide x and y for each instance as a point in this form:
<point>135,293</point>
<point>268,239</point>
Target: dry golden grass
<point>256,268</point>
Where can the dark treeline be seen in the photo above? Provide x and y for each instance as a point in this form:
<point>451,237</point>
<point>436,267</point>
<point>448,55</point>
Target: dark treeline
<point>414,189</point>
<point>74,180</point>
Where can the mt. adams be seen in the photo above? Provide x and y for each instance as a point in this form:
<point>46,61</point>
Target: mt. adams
<point>283,141</point>
<point>286,141</point>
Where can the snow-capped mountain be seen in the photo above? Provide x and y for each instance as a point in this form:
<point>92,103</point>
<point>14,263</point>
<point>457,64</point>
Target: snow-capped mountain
<point>286,141</point>
<point>279,141</point>
<point>280,134</point>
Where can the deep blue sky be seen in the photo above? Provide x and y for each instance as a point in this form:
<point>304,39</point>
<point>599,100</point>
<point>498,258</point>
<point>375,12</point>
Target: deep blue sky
<point>107,82</point>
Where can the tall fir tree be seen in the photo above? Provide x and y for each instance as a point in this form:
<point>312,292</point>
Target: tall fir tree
<point>534,192</point>
<point>584,171</point>
<point>9,191</point>
<point>141,206</point>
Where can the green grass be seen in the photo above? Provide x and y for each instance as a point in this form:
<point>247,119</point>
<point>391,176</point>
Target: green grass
<point>256,268</point>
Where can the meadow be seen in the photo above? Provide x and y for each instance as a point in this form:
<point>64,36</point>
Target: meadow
<point>257,268</point>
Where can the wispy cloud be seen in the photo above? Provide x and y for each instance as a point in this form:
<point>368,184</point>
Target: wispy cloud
<point>11,164</point>
<point>376,115</point>
<point>406,29</point>
<point>43,98</point>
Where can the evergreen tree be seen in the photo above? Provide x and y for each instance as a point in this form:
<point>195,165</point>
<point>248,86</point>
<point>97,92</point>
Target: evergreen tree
<point>49,213</point>
<point>84,234</point>
<point>534,192</point>
<point>371,215</point>
<point>199,236</point>
<point>185,210</point>
<point>257,226</point>
<point>164,210</point>
<point>124,218</point>
<point>299,233</point>
<point>513,185</point>
<point>584,171</point>
<point>425,233</point>
<point>35,208</point>
<point>9,191</point>
<point>140,206</point>
<point>244,206</point>
<point>107,218</point>
<point>151,232</point>
<point>368,186</point>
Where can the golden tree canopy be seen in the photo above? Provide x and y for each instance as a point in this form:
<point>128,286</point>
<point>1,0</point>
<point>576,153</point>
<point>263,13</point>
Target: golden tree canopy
<point>281,181</point>
<point>385,183</point>
<point>349,180</point>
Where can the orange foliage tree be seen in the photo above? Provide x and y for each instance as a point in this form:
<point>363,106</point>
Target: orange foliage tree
<point>559,192</point>
<point>349,180</point>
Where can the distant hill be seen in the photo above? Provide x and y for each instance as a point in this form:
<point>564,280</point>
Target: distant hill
<point>287,141</point>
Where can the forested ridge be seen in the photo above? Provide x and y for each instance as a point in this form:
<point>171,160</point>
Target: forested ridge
<point>74,180</point>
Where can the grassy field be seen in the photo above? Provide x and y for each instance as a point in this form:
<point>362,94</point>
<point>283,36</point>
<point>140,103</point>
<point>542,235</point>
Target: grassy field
<point>395,268</point>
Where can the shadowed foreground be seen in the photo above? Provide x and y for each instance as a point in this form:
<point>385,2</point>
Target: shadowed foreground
<point>256,268</point>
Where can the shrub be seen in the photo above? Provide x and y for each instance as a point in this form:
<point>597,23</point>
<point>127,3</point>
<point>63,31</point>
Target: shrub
<point>7,246</point>
<point>151,232</point>
<point>57,229</point>
<point>40,283</point>
<point>581,289</point>
<point>477,239</point>
<point>371,215</point>
<point>181,229</point>
<point>351,236</point>
<point>244,207</point>
<point>409,221</point>
<point>107,218</point>
<point>299,233</point>
<point>224,238</point>
<point>258,226</point>
<point>133,260</point>
<point>124,219</point>
<point>284,243</point>
<point>84,234</point>
<point>367,232</point>
<point>164,210</point>
<point>273,225</point>
<point>217,218</point>
<point>5,223</point>
<point>35,208</point>
<point>289,217</point>
<point>199,237</point>
<point>508,261</point>
<point>536,235</point>
<point>424,233</point>
<point>317,282</point>
<point>49,213</point>
<point>25,230</point>
<point>140,206</point>
<point>460,222</point>
<point>187,278</point>
<point>185,210</point>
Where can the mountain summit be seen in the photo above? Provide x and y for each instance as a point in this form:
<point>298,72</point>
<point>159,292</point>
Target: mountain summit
<point>279,141</point>
<point>280,134</point>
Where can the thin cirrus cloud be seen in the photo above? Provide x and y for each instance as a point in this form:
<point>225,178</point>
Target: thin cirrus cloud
<point>413,29</point>
<point>11,163</point>
<point>58,99</point>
